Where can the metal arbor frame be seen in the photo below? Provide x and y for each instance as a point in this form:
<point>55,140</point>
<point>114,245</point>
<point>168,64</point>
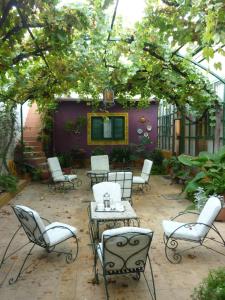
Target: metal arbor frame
<point>36,237</point>
<point>125,240</point>
<point>171,242</point>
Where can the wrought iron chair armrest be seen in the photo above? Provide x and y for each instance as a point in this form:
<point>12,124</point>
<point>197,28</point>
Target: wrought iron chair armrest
<point>58,226</point>
<point>46,220</point>
<point>189,225</point>
<point>182,213</point>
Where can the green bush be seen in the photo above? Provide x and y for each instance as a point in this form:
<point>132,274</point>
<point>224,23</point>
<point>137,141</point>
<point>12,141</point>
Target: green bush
<point>157,157</point>
<point>212,287</point>
<point>98,151</point>
<point>210,172</point>
<point>8,183</point>
<point>120,154</point>
<point>65,160</point>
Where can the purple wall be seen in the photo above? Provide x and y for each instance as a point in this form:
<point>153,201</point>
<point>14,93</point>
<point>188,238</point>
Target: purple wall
<point>69,110</point>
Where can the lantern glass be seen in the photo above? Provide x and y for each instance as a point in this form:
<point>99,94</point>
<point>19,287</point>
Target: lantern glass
<point>108,96</point>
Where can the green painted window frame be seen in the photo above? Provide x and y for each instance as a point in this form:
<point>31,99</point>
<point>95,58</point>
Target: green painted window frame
<point>99,134</point>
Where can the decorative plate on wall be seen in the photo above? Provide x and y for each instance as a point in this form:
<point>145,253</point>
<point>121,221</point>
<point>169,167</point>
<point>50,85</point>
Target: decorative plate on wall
<point>145,134</point>
<point>149,127</point>
<point>139,131</point>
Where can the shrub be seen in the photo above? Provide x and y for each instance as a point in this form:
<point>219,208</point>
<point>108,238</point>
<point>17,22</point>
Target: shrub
<point>8,183</point>
<point>212,287</point>
<point>98,151</point>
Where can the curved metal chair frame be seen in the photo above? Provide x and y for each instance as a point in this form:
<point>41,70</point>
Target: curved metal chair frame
<point>59,181</point>
<point>171,242</point>
<point>65,185</point>
<point>145,176</point>
<point>128,264</point>
<point>36,237</point>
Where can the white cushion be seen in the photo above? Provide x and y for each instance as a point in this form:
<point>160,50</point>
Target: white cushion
<point>121,230</point>
<point>100,162</point>
<point>209,213</point>
<point>207,216</point>
<point>112,188</point>
<point>56,171</point>
<point>138,180</point>
<point>59,232</point>
<point>146,170</point>
<point>32,222</point>
<point>190,233</point>
<point>65,178</point>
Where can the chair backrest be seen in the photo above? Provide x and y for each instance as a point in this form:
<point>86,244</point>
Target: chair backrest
<point>146,170</point>
<point>208,214</point>
<point>125,249</point>
<point>32,224</point>
<point>100,162</point>
<point>125,180</point>
<point>55,167</point>
<point>111,188</point>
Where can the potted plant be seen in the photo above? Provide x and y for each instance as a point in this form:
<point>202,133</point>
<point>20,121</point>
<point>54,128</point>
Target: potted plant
<point>78,156</point>
<point>212,287</point>
<point>66,162</point>
<point>120,157</point>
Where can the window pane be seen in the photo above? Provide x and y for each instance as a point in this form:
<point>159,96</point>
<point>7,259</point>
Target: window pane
<point>97,128</point>
<point>107,131</point>
<point>118,128</point>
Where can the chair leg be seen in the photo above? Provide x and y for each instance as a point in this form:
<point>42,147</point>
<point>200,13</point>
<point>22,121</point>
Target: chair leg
<point>13,280</point>
<point>106,285</point>
<point>4,258</point>
<point>152,292</point>
<point>69,255</point>
<point>95,267</point>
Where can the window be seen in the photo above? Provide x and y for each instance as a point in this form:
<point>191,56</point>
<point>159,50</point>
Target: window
<point>107,128</point>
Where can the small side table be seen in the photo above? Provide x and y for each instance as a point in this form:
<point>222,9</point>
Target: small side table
<point>128,217</point>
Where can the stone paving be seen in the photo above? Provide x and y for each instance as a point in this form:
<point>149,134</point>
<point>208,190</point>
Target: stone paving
<point>48,277</point>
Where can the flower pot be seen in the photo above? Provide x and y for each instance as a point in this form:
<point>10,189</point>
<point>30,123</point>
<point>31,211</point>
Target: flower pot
<point>221,215</point>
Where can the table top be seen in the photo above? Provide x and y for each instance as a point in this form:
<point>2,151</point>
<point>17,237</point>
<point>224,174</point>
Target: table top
<point>128,213</point>
<point>97,172</point>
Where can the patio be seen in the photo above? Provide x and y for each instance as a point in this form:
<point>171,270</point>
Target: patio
<point>49,277</point>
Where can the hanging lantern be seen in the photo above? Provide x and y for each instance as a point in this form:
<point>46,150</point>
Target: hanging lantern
<point>108,96</point>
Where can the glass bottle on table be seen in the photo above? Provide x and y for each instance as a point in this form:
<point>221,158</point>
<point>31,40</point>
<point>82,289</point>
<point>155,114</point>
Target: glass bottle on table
<point>106,201</point>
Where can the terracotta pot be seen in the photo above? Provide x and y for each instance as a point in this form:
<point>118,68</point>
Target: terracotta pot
<point>221,215</point>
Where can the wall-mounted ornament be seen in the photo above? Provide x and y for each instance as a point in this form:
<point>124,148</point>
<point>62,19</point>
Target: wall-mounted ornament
<point>146,134</point>
<point>149,127</point>
<point>139,131</point>
<point>142,119</point>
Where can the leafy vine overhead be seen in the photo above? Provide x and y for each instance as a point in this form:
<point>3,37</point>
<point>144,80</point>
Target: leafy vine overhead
<point>47,49</point>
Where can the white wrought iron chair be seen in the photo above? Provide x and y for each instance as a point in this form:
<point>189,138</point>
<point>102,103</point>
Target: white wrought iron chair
<point>143,180</point>
<point>111,188</point>
<point>99,168</point>
<point>196,232</point>
<point>45,236</point>
<point>122,251</point>
<point>60,180</point>
<point>125,180</point>
<point>99,163</point>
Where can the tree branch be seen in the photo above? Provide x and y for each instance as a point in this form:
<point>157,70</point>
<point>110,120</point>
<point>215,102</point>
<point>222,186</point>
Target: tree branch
<point>6,11</point>
<point>17,28</point>
<point>21,56</point>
